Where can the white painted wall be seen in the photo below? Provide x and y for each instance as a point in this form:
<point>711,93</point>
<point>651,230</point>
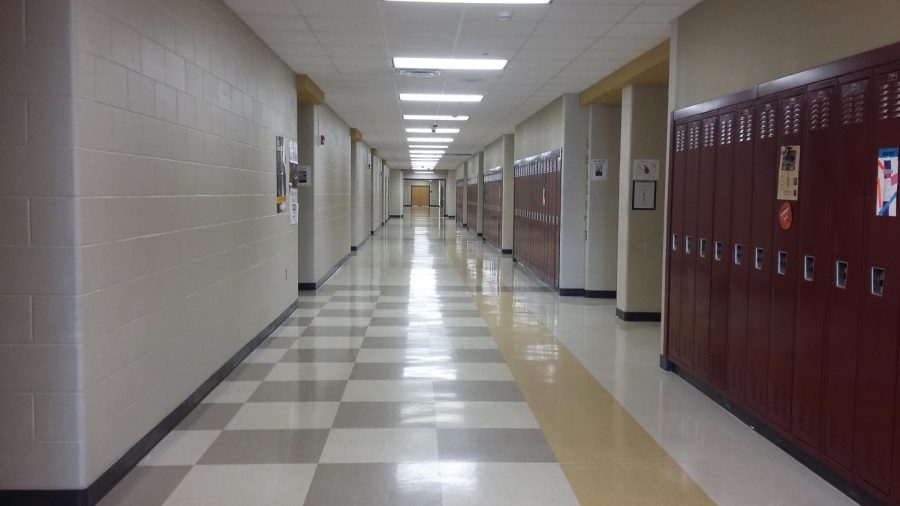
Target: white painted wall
<point>603,200</point>
<point>360,193</point>
<point>450,211</point>
<point>461,174</point>
<point>573,212</point>
<point>509,197</point>
<point>396,193</point>
<point>543,131</point>
<point>378,192</point>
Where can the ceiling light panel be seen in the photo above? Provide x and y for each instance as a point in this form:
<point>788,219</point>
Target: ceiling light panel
<point>434,117</point>
<point>437,97</point>
<point>510,2</point>
<point>450,63</point>
<point>429,139</point>
<point>426,151</point>
<point>432,130</point>
<point>427,146</point>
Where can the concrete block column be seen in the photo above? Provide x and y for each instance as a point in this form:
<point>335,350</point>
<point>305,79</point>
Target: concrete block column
<point>641,241</point>
<point>603,203</point>
<point>509,185</point>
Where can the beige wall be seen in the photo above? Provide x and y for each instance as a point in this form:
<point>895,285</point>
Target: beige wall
<point>475,167</point>
<point>378,190</point>
<point>450,210</point>
<point>541,132</point>
<point>640,239</point>
<point>603,200</point>
<point>573,205</point>
<point>432,184</point>
<point>360,192</point>
<point>726,46</point>
<point>169,130</point>
<point>41,373</point>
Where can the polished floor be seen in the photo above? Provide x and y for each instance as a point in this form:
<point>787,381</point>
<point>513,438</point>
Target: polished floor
<point>432,371</point>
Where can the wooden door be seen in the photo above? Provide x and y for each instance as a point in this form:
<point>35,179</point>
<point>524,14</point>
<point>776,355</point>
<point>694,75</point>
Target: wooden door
<point>421,196</point>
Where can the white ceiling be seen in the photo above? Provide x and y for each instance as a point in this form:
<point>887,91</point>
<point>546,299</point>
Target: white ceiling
<point>346,47</point>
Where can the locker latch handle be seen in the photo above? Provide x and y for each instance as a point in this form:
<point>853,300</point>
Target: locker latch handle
<point>717,253</point>
<point>674,242</point>
<point>758,260</point>
<point>702,248</point>
<point>738,254</point>
<point>782,263</point>
<point>688,242</point>
<point>878,274</point>
<point>809,267</point>
<point>840,274</point>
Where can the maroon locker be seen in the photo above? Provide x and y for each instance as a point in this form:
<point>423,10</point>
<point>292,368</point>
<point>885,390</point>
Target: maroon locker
<point>720,241</point>
<point>850,179</point>
<point>676,223</point>
<point>689,227</point>
<point>759,255</point>
<point>472,203</point>
<point>819,154</point>
<point>459,200</point>
<point>705,202</point>
<point>785,264</point>
<point>876,376</point>
<point>738,255</point>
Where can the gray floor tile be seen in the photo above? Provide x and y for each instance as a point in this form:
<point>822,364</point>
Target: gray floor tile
<point>384,414</point>
<point>278,343</point>
<point>209,416</point>
<point>379,371</point>
<point>299,391</point>
<point>335,331</point>
<point>478,356</point>
<point>460,313</point>
<point>413,484</point>
<point>320,355</point>
<point>494,445</point>
<point>310,305</point>
<point>393,342</point>
<point>354,298</point>
<point>349,313</point>
<point>146,486</point>
<point>250,372</point>
<point>388,321</point>
<point>266,447</point>
<point>297,321</point>
<point>477,391</point>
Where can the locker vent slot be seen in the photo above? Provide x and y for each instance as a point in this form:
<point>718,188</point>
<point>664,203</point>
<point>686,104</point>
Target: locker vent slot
<point>820,110</point>
<point>694,137</point>
<point>877,281</point>
<point>767,122</point>
<point>679,138</point>
<point>791,116</point>
<point>717,254</point>
<point>674,242</point>
<point>853,102</point>
<point>758,259</point>
<point>702,248</point>
<point>688,242</point>
<point>809,267</point>
<point>782,262</point>
<point>726,129</point>
<point>840,274</point>
<point>738,254</point>
<point>889,97</point>
<point>745,126</point>
<point>709,133</point>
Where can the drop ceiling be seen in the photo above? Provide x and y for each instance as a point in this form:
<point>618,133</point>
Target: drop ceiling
<point>346,47</point>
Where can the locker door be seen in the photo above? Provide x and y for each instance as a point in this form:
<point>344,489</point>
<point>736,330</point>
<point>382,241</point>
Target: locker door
<point>760,256</point>
<point>739,254</point>
<point>816,180</point>
<point>705,201</point>
<point>675,248</point>
<point>784,260</point>
<point>718,251</point>
<point>848,205</point>
<point>876,376</point>
<point>689,265</point>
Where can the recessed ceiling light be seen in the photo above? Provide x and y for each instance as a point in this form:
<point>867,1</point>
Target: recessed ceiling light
<point>429,139</point>
<point>520,2</point>
<point>434,117</point>
<point>426,151</point>
<point>449,63</point>
<point>438,97</point>
<point>429,146</point>
<point>432,130</point>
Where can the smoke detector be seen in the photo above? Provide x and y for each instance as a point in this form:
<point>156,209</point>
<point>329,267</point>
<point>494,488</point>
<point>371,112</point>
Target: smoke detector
<point>419,73</point>
<point>505,15</point>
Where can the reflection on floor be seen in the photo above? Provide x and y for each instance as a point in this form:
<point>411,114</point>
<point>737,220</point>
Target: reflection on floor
<point>430,370</point>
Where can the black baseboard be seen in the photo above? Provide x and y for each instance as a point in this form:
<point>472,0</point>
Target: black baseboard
<point>839,482</point>
<point>506,251</point>
<point>465,225</point>
<point>109,479</point>
<point>396,216</point>
<point>479,234</point>
<point>665,364</point>
<point>353,248</point>
<point>318,284</point>
<point>634,316</point>
<point>571,292</point>
<point>600,294</point>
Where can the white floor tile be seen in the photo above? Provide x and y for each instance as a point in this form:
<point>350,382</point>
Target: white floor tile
<point>389,391</point>
<point>284,415</point>
<point>310,371</point>
<point>380,445</point>
<point>501,484</point>
<point>242,485</point>
<point>484,415</point>
<point>232,391</point>
<point>181,448</point>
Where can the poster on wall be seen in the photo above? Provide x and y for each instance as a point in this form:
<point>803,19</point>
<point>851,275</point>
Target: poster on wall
<point>599,169</point>
<point>886,190</point>
<point>643,195</point>
<point>281,182</point>
<point>645,170</point>
<point>789,173</point>
<point>293,191</point>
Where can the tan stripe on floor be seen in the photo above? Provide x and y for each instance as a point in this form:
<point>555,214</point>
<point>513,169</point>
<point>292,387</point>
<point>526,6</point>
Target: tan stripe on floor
<point>607,456</point>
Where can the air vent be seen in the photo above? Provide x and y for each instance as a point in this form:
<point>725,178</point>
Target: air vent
<point>457,154</point>
<point>419,73</point>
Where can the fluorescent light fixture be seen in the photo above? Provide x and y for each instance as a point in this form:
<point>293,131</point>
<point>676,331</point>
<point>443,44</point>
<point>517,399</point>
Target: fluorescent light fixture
<point>449,63</point>
<point>439,97</point>
<point>432,130</point>
<point>429,146</point>
<point>426,158</point>
<point>426,152</point>
<point>429,139</point>
<point>433,117</point>
<point>511,2</point>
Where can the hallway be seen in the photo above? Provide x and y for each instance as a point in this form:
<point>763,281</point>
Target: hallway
<point>428,371</point>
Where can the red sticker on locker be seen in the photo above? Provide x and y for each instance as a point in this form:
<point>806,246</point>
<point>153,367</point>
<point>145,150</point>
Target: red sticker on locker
<point>786,215</point>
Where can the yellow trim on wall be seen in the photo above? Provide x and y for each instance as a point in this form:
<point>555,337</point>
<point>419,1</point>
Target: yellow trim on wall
<point>308,92</point>
<point>356,135</point>
<point>650,67</point>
